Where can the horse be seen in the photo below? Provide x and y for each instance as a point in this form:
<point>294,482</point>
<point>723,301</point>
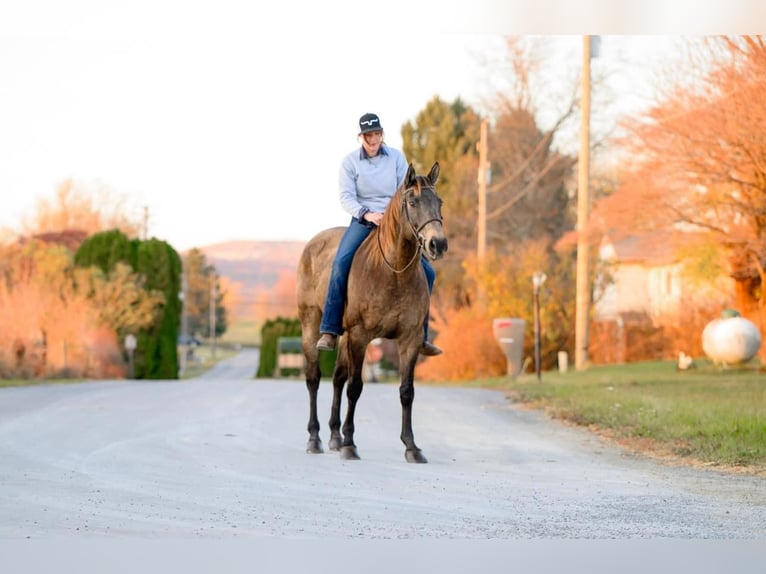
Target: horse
<point>387,297</point>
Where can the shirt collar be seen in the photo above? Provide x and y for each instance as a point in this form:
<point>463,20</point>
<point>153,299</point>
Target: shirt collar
<point>363,152</point>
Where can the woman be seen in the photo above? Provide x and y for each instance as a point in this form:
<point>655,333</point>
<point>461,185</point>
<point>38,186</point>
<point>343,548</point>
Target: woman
<point>369,177</point>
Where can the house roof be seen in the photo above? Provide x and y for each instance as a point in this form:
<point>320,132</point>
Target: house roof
<point>656,247</point>
<point>69,238</point>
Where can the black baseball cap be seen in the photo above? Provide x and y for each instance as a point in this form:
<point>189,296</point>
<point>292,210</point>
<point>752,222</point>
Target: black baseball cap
<point>369,123</point>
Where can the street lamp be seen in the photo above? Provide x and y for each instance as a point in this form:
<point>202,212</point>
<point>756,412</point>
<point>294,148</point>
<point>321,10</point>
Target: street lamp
<point>537,281</point>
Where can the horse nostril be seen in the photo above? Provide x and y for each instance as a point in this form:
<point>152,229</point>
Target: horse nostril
<point>437,245</point>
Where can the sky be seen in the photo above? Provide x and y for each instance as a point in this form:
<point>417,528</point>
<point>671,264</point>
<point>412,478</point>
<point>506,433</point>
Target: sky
<point>228,120</point>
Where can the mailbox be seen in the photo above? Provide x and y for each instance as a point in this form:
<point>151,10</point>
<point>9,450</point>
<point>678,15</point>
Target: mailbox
<point>509,333</point>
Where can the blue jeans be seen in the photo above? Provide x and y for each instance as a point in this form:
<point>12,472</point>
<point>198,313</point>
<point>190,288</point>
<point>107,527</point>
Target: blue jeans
<point>335,303</point>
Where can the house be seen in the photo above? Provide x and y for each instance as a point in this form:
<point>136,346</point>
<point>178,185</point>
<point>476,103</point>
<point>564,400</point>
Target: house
<point>645,305</point>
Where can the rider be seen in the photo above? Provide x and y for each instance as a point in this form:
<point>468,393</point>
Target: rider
<point>369,177</point>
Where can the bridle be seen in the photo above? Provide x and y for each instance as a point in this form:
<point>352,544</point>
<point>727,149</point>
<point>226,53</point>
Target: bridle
<point>415,231</point>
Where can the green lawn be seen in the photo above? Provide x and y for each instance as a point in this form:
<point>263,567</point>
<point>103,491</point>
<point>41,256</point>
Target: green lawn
<point>704,414</point>
<point>246,333</point>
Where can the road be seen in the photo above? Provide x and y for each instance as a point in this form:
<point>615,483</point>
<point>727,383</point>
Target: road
<point>223,456</point>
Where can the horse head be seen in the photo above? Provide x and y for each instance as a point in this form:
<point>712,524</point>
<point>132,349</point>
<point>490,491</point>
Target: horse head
<point>422,209</point>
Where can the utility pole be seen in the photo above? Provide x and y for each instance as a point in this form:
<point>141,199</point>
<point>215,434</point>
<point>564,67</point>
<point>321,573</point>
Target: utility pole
<point>212,315</point>
<point>583,210</point>
<point>184,323</point>
<point>481,227</point>
<point>537,281</point>
<point>146,223</point>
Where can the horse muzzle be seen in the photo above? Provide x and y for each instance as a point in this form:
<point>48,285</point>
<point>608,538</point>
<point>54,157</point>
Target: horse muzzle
<point>434,247</point>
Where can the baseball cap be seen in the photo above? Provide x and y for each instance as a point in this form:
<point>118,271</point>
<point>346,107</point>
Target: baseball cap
<point>369,123</point>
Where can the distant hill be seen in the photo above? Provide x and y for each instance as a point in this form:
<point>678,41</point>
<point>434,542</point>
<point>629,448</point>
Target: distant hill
<point>254,264</point>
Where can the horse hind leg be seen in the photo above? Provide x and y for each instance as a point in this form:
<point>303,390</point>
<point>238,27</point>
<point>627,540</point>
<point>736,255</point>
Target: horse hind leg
<point>314,445</point>
<point>313,374</point>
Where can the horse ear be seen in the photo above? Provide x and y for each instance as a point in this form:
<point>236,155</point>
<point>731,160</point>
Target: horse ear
<point>433,176</point>
<point>409,178</point>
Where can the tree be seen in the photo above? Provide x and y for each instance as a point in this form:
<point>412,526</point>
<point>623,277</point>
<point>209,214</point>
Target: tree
<point>49,323</point>
<point>105,250</point>
<point>699,157</point>
<point>448,133</point>
<point>156,355</point>
<point>89,207</point>
<point>528,203</point>
<point>201,282</point>
<point>122,302</point>
<point>528,198</point>
<point>158,268</point>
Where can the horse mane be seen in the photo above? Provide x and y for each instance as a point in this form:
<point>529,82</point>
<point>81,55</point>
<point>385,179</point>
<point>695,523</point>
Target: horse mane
<point>388,229</point>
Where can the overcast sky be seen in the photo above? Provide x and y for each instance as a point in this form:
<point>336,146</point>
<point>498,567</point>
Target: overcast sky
<point>227,120</point>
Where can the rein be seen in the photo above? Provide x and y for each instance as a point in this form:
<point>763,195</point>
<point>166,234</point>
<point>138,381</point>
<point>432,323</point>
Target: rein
<point>416,233</point>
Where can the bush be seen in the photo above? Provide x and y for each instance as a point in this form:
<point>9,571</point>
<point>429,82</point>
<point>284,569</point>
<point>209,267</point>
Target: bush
<point>470,350</point>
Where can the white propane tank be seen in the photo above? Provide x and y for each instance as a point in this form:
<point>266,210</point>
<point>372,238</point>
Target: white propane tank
<point>731,340</point>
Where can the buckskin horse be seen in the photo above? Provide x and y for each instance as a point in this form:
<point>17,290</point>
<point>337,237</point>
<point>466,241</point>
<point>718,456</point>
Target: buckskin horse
<point>387,297</point>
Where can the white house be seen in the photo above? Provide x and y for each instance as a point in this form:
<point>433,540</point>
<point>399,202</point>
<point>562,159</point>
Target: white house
<point>647,307</point>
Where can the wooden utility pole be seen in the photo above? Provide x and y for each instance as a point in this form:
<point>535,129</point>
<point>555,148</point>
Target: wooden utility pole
<point>212,314</point>
<point>184,322</point>
<point>481,227</point>
<point>583,209</point>
<point>145,229</point>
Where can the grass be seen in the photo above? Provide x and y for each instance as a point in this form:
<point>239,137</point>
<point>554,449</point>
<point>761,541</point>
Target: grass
<point>243,332</point>
<point>31,382</point>
<point>707,415</point>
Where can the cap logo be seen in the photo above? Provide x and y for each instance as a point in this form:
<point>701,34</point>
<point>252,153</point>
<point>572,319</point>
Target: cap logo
<point>369,122</point>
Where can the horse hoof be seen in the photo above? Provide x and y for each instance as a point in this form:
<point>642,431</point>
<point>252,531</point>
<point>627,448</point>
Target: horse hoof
<point>314,447</point>
<point>415,456</point>
<point>349,453</point>
<point>334,443</point>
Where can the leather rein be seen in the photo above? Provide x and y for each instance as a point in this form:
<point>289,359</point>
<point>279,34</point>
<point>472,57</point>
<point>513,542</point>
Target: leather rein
<point>415,231</point>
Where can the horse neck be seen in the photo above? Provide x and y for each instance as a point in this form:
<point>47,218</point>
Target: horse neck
<point>401,253</point>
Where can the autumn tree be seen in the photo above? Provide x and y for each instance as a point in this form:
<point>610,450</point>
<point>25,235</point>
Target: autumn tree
<point>158,266</point>
<point>120,298</point>
<point>65,319</point>
<point>699,157</point>
<point>528,206</point>
<point>201,283</point>
<point>447,133</point>
<point>89,207</point>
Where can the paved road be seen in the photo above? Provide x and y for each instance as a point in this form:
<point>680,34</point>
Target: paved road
<point>223,456</point>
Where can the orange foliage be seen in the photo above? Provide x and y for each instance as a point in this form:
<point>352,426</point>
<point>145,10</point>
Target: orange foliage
<point>47,329</point>
<point>279,301</point>
<point>470,350</point>
<point>43,336</point>
<point>232,298</point>
<point>89,207</point>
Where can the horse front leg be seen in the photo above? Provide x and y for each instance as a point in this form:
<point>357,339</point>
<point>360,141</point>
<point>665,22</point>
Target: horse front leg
<point>407,396</point>
<point>355,358</point>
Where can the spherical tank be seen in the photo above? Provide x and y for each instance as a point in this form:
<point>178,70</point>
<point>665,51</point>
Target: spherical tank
<point>731,340</point>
